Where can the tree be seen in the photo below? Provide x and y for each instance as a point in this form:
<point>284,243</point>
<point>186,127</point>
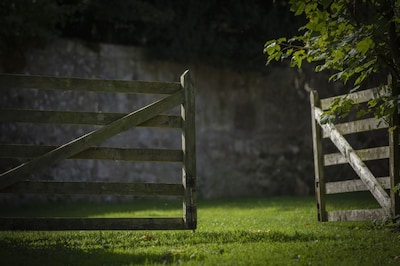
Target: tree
<point>357,39</point>
<point>26,24</point>
<point>223,33</point>
<point>209,31</point>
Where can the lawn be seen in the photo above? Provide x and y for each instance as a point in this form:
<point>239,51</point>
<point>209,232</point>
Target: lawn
<point>246,231</point>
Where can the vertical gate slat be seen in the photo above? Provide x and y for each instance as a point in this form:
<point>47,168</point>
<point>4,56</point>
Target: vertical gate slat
<point>318,159</point>
<point>394,167</point>
<point>189,151</point>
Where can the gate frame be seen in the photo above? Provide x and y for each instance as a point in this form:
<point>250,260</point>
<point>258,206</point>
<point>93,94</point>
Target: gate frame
<point>389,203</point>
<point>13,181</point>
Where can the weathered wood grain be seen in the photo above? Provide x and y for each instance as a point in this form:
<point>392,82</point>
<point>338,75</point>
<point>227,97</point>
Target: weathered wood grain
<point>95,188</point>
<point>394,162</point>
<point>358,126</point>
<point>356,215</point>
<point>356,163</point>
<point>95,153</point>
<point>318,159</point>
<point>62,224</point>
<point>81,118</point>
<point>370,154</point>
<point>353,185</point>
<point>189,151</point>
<point>80,144</point>
<point>357,97</point>
<point>84,148</point>
<point>11,81</point>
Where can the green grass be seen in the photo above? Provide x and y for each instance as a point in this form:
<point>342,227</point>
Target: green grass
<point>249,231</point>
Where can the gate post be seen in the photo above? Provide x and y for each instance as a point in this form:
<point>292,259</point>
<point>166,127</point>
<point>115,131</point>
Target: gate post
<point>318,159</point>
<point>189,151</point>
<point>394,150</point>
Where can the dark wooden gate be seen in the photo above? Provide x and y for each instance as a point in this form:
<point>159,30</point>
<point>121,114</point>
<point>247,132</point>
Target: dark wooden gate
<point>17,179</point>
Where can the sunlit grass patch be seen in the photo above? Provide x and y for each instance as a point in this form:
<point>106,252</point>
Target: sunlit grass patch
<point>248,231</point>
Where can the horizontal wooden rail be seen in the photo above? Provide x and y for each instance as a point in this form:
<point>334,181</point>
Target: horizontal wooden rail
<point>358,97</point>
<point>95,188</point>
<point>10,81</point>
<point>353,185</point>
<point>370,154</point>
<point>81,118</point>
<point>355,162</point>
<point>95,153</point>
<point>379,187</point>
<point>356,215</point>
<point>103,127</point>
<point>93,138</point>
<point>358,126</point>
<point>61,224</point>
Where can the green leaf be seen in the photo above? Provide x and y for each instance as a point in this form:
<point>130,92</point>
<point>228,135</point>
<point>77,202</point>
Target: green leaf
<point>297,7</point>
<point>361,113</point>
<point>346,39</point>
<point>297,58</point>
<point>326,3</point>
<point>365,45</point>
<point>361,78</point>
<point>271,48</point>
<point>327,118</point>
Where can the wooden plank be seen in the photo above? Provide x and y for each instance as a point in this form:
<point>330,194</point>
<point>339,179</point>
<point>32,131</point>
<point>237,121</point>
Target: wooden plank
<point>318,159</point>
<point>188,112</point>
<point>359,126</point>
<point>356,163</point>
<point>95,188</point>
<point>95,153</point>
<point>80,144</point>
<point>356,215</point>
<point>11,81</point>
<point>376,153</point>
<point>357,97</point>
<point>81,118</point>
<point>394,167</point>
<point>61,224</point>
<point>354,185</point>
<point>163,121</point>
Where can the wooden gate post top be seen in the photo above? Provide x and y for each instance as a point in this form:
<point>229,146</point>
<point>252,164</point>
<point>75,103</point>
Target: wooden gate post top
<point>189,151</point>
<point>189,130</point>
<point>318,159</point>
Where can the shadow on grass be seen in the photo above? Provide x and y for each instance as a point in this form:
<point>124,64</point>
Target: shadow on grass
<point>59,255</point>
<point>87,209</point>
<point>98,248</point>
<point>174,206</point>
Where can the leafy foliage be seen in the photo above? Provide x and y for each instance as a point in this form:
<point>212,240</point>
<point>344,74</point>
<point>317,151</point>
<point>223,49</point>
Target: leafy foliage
<point>355,38</point>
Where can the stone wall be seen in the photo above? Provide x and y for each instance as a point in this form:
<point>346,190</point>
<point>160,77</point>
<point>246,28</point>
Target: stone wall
<point>253,129</point>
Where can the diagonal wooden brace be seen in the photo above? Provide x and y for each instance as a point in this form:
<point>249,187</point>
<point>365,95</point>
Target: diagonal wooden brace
<point>84,142</point>
<point>356,163</point>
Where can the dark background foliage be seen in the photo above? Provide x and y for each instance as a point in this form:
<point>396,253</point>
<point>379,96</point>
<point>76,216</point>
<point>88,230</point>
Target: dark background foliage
<point>222,32</point>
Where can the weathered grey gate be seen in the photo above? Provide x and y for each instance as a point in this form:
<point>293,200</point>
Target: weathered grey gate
<point>17,180</point>
<point>366,181</point>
